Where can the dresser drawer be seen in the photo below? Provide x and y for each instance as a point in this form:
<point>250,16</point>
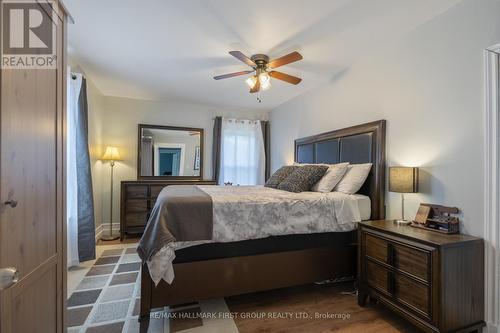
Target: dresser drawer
<point>136,191</point>
<point>377,277</point>
<point>411,260</point>
<point>136,219</point>
<point>376,247</point>
<point>155,190</point>
<point>136,206</point>
<point>412,294</point>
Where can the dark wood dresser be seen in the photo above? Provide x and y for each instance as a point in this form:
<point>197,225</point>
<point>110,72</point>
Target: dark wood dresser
<point>138,198</point>
<point>436,281</point>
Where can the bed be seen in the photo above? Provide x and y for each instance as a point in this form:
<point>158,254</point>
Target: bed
<point>221,269</point>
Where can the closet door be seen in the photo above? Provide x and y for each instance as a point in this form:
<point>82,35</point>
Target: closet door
<point>32,233</point>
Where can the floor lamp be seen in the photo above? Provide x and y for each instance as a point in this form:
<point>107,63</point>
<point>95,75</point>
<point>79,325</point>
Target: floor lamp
<point>112,155</point>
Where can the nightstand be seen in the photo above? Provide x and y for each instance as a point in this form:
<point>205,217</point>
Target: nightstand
<point>435,281</point>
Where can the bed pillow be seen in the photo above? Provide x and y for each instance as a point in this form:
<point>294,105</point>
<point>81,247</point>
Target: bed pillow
<point>280,175</point>
<point>303,178</point>
<point>331,178</point>
<point>354,178</point>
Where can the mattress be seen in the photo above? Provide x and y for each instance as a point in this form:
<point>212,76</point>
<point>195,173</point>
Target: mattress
<point>274,243</point>
<point>365,206</point>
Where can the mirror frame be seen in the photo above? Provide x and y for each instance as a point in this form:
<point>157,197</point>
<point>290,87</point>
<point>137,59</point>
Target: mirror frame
<point>175,128</point>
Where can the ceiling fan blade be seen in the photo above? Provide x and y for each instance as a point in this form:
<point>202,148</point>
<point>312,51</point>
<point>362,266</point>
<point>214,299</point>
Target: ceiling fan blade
<point>225,76</point>
<point>285,77</point>
<point>240,56</point>
<point>256,87</point>
<point>286,59</point>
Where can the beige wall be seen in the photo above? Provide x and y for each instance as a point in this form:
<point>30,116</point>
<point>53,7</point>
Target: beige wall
<point>429,87</point>
<point>116,122</point>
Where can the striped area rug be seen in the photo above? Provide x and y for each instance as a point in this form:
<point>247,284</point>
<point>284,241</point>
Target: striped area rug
<point>107,300</point>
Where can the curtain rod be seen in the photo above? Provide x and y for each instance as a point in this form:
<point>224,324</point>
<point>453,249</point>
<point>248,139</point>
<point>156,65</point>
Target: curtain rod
<point>73,75</point>
<point>241,119</point>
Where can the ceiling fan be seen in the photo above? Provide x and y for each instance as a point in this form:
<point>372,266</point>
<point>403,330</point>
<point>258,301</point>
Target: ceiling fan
<point>264,70</point>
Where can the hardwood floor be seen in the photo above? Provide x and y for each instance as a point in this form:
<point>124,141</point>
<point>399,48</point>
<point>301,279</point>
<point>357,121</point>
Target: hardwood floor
<point>317,304</point>
<point>322,301</point>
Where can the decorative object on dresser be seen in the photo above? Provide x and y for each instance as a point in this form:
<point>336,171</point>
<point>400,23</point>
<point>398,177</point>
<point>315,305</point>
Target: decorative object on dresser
<point>112,155</point>
<point>403,180</point>
<point>435,281</point>
<point>138,198</point>
<point>437,218</point>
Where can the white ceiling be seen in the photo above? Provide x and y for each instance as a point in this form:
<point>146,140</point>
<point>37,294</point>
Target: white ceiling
<point>161,49</point>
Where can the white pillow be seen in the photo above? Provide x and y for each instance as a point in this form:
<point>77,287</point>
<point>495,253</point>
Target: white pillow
<point>331,178</point>
<point>354,178</point>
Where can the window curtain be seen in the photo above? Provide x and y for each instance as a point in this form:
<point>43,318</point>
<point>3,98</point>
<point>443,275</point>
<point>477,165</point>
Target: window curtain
<point>80,203</point>
<point>147,156</point>
<point>242,155</point>
<point>266,133</point>
<point>216,143</point>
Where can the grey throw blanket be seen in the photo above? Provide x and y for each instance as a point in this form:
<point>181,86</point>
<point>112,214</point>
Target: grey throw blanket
<point>181,213</point>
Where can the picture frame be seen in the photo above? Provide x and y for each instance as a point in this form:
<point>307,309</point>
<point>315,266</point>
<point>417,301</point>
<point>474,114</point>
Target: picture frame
<point>422,214</point>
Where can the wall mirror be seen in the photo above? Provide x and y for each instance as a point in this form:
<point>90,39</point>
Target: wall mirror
<point>170,152</point>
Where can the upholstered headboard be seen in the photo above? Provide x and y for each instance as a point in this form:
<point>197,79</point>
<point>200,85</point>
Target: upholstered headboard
<point>358,144</point>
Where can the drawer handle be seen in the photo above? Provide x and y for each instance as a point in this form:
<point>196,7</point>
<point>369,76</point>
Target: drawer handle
<point>391,283</point>
<point>390,254</point>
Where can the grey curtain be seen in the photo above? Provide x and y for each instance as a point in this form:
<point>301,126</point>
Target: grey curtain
<point>146,156</point>
<point>266,133</point>
<point>216,147</point>
<point>86,225</point>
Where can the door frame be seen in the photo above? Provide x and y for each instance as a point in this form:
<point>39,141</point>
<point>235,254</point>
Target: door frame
<point>492,186</point>
<point>180,146</point>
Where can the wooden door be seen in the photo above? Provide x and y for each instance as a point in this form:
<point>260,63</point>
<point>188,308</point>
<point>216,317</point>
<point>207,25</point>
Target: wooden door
<point>32,234</point>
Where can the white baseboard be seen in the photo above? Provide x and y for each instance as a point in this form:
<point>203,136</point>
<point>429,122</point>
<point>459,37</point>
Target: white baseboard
<point>103,228</point>
<point>98,232</point>
<point>491,328</point>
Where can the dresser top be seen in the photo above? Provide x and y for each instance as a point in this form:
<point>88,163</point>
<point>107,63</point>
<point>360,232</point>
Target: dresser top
<point>169,182</point>
<point>427,236</point>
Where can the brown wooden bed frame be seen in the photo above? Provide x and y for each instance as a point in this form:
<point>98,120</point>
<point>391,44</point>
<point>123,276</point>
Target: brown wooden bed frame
<point>217,278</point>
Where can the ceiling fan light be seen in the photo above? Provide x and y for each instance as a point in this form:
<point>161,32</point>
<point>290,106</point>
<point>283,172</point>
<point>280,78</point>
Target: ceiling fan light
<point>264,78</point>
<point>251,81</point>
<point>266,85</point>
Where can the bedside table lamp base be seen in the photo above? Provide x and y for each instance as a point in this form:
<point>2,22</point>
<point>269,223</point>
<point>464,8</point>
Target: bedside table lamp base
<point>403,180</point>
<point>402,220</point>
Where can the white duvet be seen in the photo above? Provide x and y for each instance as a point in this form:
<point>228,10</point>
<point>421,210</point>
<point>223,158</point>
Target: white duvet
<point>251,212</point>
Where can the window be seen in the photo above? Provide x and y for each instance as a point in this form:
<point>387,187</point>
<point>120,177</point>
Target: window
<point>242,152</point>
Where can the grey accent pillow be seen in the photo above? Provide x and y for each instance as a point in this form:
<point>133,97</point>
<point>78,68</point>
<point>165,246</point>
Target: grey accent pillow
<point>280,175</point>
<point>303,178</point>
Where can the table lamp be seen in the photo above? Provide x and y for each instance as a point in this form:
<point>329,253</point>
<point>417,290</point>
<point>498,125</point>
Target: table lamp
<point>111,154</point>
<point>403,180</point>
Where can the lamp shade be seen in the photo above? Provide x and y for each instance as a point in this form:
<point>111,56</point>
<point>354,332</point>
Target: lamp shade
<point>403,179</point>
<point>111,154</point>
